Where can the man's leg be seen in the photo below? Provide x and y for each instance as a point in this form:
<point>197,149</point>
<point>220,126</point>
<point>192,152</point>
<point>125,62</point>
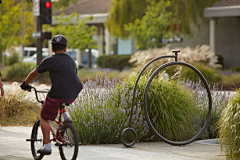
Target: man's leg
<point>45,130</point>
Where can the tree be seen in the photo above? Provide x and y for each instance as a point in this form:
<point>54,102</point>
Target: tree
<point>79,35</point>
<point>62,4</point>
<point>123,12</point>
<point>184,13</point>
<point>149,31</point>
<point>11,24</point>
<point>187,11</point>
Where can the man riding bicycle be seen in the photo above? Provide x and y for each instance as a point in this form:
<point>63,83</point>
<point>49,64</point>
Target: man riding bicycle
<point>1,86</point>
<point>65,86</point>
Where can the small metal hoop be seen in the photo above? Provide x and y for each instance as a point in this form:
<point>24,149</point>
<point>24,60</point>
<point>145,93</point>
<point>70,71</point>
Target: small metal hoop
<point>134,140</point>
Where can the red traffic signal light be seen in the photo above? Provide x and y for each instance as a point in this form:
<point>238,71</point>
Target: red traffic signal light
<point>46,11</point>
<point>48,4</point>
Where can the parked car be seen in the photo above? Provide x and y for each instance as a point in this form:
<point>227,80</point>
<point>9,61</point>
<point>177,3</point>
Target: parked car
<point>73,54</point>
<point>30,51</point>
<point>85,57</point>
<point>33,58</point>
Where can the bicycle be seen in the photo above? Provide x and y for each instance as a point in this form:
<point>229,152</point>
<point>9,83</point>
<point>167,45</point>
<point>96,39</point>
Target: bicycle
<point>202,92</point>
<point>65,135</point>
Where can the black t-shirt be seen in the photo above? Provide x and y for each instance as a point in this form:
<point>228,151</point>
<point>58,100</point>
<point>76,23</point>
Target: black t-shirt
<point>63,74</point>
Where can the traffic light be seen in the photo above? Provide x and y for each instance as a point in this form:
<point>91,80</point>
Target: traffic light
<point>47,35</point>
<point>46,11</point>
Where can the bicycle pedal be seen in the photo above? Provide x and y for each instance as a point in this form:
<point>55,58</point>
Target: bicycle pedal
<point>59,144</point>
<point>30,140</point>
<point>44,152</point>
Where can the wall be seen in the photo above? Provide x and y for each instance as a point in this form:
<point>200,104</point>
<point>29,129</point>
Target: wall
<point>228,41</point>
<point>200,36</point>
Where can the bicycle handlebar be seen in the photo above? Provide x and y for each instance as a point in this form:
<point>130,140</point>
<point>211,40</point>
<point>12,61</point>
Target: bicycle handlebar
<point>36,91</point>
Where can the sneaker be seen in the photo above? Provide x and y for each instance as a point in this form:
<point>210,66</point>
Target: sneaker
<point>44,151</point>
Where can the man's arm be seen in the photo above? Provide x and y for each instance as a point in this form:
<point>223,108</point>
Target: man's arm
<point>1,87</point>
<point>32,75</point>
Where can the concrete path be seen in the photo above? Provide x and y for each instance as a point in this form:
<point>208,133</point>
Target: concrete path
<point>13,146</point>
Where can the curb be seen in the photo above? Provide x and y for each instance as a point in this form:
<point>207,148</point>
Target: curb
<point>209,141</point>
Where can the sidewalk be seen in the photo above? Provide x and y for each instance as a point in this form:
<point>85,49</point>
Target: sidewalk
<point>14,147</point>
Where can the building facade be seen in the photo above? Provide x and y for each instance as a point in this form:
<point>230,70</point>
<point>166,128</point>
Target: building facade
<point>221,30</point>
<point>106,44</point>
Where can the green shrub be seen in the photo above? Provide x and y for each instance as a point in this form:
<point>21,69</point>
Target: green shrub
<point>19,71</point>
<point>12,59</point>
<point>170,107</point>
<point>235,69</point>
<point>114,61</point>
<point>212,75</point>
<point>231,81</point>
<point>229,128</point>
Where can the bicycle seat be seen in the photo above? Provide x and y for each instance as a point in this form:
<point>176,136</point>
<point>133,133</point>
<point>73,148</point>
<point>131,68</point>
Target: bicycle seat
<point>64,104</point>
<point>175,51</point>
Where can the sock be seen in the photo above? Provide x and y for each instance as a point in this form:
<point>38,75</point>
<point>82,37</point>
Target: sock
<point>66,115</point>
<point>47,146</point>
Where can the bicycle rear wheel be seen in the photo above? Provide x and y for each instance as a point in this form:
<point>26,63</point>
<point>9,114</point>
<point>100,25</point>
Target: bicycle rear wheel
<point>182,110</point>
<point>38,143</point>
<point>69,149</point>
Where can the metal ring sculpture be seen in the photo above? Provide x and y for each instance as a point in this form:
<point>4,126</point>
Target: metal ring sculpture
<point>145,101</point>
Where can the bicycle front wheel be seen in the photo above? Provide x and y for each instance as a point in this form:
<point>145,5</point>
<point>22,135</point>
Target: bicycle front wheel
<point>178,103</point>
<point>38,140</point>
<point>69,149</point>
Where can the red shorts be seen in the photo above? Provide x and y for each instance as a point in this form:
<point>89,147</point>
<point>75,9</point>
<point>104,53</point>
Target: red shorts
<point>51,106</point>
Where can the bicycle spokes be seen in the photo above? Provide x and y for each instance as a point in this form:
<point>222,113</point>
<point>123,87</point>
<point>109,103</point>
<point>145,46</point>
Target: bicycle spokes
<point>69,147</point>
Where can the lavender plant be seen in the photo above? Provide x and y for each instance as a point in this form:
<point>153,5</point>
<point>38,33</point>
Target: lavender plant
<point>220,100</point>
<point>102,110</point>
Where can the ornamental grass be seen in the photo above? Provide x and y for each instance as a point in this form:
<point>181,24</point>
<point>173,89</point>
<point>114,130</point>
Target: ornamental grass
<point>229,128</point>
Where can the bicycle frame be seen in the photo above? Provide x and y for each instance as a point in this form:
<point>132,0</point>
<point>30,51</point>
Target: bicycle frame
<point>140,74</point>
<point>56,136</point>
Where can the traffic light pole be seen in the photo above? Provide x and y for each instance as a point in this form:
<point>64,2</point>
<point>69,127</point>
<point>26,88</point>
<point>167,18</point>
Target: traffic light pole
<point>39,41</point>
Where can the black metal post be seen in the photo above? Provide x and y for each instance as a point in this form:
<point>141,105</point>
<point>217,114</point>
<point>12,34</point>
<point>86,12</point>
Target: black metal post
<point>89,57</point>
<point>39,41</point>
